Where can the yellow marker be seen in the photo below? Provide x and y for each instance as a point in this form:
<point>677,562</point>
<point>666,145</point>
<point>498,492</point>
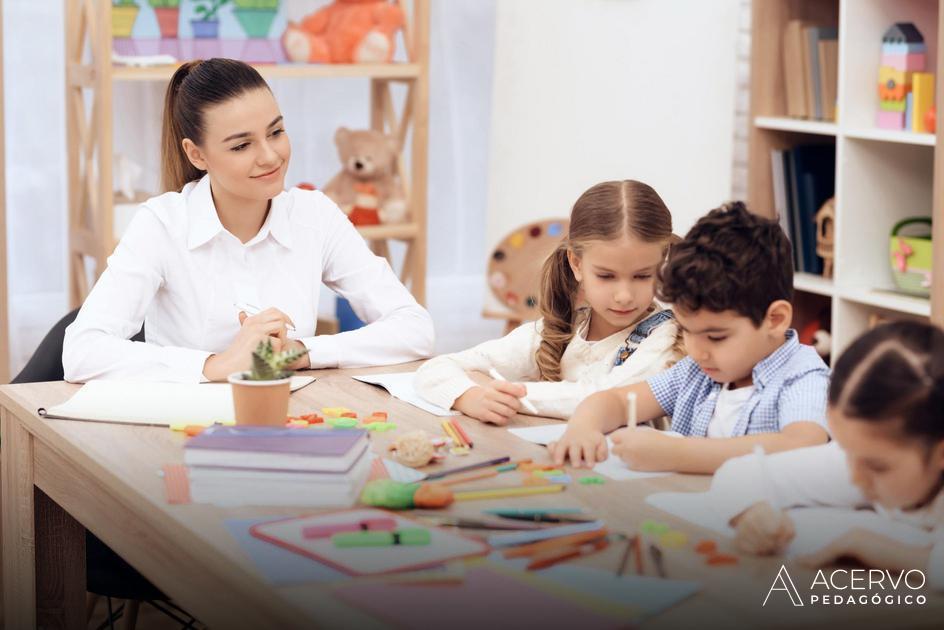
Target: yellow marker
<point>499,493</point>
<point>922,91</point>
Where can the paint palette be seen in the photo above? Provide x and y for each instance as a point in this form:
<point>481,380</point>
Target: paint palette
<point>514,269</point>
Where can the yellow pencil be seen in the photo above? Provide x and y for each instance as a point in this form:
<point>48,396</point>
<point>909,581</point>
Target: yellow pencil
<point>498,493</point>
<point>457,441</point>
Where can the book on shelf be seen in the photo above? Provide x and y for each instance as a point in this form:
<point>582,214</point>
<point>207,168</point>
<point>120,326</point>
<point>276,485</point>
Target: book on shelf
<point>809,64</point>
<point>803,179</point>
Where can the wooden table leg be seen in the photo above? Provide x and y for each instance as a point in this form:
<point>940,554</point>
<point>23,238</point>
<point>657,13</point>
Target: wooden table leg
<point>60,566</point>
<point>19,568</point>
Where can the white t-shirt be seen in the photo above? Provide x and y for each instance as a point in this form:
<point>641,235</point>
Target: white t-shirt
<point>728,410</point>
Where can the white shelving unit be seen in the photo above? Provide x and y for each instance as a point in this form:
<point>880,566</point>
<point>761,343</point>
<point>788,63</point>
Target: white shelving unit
<point>882,176</point>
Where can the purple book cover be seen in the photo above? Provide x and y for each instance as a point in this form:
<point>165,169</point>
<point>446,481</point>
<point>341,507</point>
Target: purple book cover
<point>315,442</point>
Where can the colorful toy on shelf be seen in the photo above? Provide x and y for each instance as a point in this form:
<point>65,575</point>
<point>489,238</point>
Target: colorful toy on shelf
<point>910,257</point>
<point>368,188</point>
<point>825,231</point>
<point>345,31</point>
<point>904,54</point>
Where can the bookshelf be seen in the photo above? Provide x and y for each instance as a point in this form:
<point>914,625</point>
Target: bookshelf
<point>882,176</point>
<point>90,76</point>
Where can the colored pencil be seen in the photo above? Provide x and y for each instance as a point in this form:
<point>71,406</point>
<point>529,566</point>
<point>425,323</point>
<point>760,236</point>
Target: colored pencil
<point>485,474</point>
<point>451,433</point>
<point>656,554</point>
<point>624,560</point>
<point>499,493</point>
<point>544,560</point>
<point>637,548</point>
<point>461,432</point>
<point>555,543</point>
<point>452,471</point>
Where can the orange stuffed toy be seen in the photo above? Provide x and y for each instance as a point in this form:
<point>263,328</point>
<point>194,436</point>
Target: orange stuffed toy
<point>346,31</point>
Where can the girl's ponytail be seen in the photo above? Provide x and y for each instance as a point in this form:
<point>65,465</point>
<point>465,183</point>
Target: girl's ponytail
<point>557,306</point>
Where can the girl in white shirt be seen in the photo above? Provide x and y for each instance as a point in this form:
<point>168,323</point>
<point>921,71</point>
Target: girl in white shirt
<point>886,414</point>
<point>232,236</point>
<point>600,325</point>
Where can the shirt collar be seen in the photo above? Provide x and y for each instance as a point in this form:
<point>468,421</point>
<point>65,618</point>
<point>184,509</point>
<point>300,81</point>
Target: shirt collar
<point>775,360</point>
<point>205,223</point>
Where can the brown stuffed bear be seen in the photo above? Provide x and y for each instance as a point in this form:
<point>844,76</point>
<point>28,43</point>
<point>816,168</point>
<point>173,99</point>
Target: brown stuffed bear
<point>368,188</point>
<point>346,31</point>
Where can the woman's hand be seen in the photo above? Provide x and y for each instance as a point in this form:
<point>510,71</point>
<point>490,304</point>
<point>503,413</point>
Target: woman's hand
<point>269,324</point>
<point>763,530</point>
<point>495,402</point>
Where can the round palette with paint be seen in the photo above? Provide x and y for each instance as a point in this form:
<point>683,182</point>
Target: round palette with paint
<point>514,269</point>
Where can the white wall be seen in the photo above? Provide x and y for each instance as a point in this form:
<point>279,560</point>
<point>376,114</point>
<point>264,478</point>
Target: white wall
<point>590,90</point>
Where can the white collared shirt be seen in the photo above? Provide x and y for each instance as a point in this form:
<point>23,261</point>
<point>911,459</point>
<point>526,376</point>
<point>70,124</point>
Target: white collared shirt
<point>180,272</point>
<point>586,366</point>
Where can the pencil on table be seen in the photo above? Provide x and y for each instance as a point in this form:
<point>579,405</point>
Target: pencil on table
<point>462,434</point>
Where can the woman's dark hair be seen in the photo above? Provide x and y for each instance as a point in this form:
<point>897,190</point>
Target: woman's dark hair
<point>195,86</point>
<point>894,371</point>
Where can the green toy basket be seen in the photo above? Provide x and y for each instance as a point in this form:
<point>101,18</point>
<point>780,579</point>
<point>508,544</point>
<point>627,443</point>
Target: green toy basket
<point>910,256</point>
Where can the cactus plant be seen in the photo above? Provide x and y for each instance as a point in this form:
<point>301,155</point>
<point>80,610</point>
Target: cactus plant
<point>268,365</point>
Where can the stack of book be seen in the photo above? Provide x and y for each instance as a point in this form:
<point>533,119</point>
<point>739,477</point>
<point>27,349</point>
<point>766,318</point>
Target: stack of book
<point>810,68</point>
<point>239,465</point>
<point>804,179</point>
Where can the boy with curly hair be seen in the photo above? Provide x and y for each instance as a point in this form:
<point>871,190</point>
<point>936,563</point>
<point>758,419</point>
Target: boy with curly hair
<point>747,380</point>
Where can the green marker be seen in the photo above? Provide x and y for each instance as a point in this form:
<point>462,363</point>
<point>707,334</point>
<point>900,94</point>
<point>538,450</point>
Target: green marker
<point>410,536</point>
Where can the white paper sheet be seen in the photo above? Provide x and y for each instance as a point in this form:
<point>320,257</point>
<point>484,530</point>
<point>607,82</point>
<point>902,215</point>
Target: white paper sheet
<point>400,386</point>
<point>158,404</point>
<point>816,527</point>
<point>614,468</point>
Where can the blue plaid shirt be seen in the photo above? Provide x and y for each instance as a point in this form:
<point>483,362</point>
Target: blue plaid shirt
<point>790,385</point>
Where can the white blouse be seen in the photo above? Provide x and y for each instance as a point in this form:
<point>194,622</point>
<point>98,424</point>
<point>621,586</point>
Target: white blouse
<point>181,273</point>
<point>818,476</point>
<point>586,367</point>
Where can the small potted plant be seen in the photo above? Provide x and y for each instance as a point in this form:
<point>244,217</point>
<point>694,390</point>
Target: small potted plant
<point>256,16</point>
<point>260,396</point>
<point>123,15</point>
<point>207,26</point>
<point>168,16</point>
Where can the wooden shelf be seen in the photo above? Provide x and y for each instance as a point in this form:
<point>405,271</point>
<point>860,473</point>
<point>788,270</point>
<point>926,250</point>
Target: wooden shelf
<point>90,77</point>
<point>890,300</point>
<point>887,135</point>
<point>816,127</point>
<point>391,71</point>
<point>881,176</point>
<point>812,283</point>
<point>396,231</point>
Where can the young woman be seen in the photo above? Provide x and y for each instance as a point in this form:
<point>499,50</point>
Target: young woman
<point>228,258</point>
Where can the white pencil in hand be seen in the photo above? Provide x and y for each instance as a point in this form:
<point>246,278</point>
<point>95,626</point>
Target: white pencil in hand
<point>527,404</point>
<point>251,310</point>
<point>631,417</point>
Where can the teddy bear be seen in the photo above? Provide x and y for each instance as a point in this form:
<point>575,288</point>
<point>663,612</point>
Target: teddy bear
<point>346,31</point>
<point>368,188</point>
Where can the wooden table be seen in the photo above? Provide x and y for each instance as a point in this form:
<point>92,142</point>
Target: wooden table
<point>59,477</point>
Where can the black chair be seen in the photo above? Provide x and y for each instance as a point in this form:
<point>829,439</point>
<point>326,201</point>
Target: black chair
<point>106,573</point>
